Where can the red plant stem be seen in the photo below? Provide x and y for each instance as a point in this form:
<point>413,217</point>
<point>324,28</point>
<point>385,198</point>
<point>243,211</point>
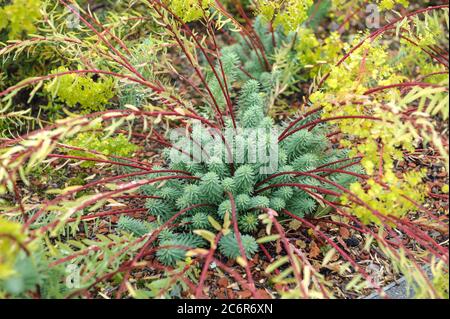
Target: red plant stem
<point>403,85</point>
<point>266,253</point>
<point>106,116</point>
<point>287,248</point>
<point>94,71</point>
<point>272,32</point>
<point>330,135</point>
<point>442,55</point>
<point>358,158</point>
<point>209,258</point>
<point>19,200</point>
<point>79,189</point>
<point>108,213</point>
<point>98,160</point>
<point>133,185</point>
<point>440,196</point>
<point>119,270</point>
<point>339,171</point>
<point>300,118</point>
<point>89,249</point>
<point>313,271</point>
<point>314,123</point>
<point>150,240</point>
<point>94,216</point>
<point>442,52</point>
<point>347,20</point>
<point>301,186</point>
<point>174,279</point>
<point>253,37</point>
<point>112,35</point>
<point>338,249</point>
<point>162,141</point>
<point>314,12</point>
<point>153,87</point>
<point>297,173</point>
<point>364,229</point>
<point>129,186</point>
<point>330,171</point>
<point>421,237</point>
<point>378,214</point>
<point>233,273</point>
<point>246,73</point>
<point>131,160</point>
<point>438,58</point>
<point>377,33</point>
<point>329,221</point>
<point>194,86</point>
<point>432,74</point>
<point>423,209</point>
<point>241,247</point>
<point>376,236</point>
<point>360,202</point>
<point>224,77</point>
<point>104,40</point>
<point>385,242</point>
<point>219,114</point>
<point>138,196</point>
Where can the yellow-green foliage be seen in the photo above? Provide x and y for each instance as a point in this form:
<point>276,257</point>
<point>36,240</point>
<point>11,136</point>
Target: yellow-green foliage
<point>381,141</point>
<point>427,31</point>
<point>93,141</point>
<point>389,4</point>
<point>20,17</point>
<point>188,10</point>
<point>74,89</point>
<point>441,282</point>
<point>289,14</point>
<point>315,54</point>
<point>367,67</point>
<point>11,237</point>
<point>388,200</point>
<point>382,4</point>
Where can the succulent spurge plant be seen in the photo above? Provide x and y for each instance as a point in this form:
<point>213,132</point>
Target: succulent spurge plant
<point>254,135</point>
<point>255,166</point>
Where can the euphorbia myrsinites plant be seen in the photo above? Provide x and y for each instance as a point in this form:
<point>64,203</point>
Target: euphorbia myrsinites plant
<point>168,143</point>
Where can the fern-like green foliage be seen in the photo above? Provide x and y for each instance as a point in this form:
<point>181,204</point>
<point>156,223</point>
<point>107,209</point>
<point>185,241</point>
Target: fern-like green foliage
<point>19,17</point>
<point>81,90</point>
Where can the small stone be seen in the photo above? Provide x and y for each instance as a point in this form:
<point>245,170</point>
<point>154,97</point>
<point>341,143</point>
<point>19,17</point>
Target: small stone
<point>325,271</point>
<point>352,242</point>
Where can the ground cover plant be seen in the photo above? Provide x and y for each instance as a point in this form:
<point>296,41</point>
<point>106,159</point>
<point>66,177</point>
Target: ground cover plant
<point>223,149</point>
